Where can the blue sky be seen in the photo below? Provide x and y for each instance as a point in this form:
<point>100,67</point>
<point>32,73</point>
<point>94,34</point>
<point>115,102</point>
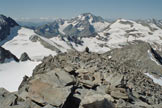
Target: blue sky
<point>129,9</point>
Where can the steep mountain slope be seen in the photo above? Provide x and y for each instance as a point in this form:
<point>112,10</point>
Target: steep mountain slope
<point>84,25</point>
<point>149,21</point>
<point>6,23</point>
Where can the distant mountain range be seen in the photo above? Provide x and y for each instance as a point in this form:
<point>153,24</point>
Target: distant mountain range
<point>85,30</point>
<point>84,25</point>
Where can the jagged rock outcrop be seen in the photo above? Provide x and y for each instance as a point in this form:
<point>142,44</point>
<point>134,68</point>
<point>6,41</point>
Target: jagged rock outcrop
<point>35,38</point>
<point>6,56</point>
<point>24,57</point>
<point>5,25</point>
<point>89,80</point>
<point>12,100</point>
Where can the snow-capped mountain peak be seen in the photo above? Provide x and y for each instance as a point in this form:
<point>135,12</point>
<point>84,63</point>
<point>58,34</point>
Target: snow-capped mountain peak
<point>83,25</point>
<point>91,18</point>
<point>86,16</point>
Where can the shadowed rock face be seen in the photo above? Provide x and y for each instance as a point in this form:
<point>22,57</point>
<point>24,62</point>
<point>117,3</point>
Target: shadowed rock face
<point>48,30</point>
<point>6,56</point>
<point>5,25</point>
<point>156,56</point>
<point>89,80</point>
<point>24,57</point>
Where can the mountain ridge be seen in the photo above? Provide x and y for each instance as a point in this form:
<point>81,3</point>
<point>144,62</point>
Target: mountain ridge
<point>112,35</point>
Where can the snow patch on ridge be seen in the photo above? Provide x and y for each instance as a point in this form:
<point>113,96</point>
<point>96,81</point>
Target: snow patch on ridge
<point>62,27</point>
<point>62,43</point>
<point>156,80</point>
<point>93,44</point>
<point>152,57</point>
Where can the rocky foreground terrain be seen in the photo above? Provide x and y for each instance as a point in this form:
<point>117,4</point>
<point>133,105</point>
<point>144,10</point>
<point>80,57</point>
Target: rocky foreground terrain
<point>89,80</point>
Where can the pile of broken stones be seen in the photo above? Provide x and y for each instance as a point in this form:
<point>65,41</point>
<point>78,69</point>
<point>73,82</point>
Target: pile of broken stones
<point>84,80</point>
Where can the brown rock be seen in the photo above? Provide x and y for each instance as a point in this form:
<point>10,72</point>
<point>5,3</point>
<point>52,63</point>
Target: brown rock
<point>119,93</point>
<point>96,101</point>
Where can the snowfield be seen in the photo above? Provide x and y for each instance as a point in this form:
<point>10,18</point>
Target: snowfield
<point>99,26</point>
<point>12,73</point>
<point>123,31</point>
<point>21,43</point>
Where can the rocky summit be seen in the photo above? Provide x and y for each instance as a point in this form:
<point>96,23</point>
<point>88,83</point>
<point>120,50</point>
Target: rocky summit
<point>85,80</point>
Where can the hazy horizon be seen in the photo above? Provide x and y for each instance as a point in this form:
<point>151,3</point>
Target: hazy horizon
<point>66,9</point>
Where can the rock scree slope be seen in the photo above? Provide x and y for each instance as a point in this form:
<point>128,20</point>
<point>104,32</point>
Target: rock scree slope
<point>84,80</point>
